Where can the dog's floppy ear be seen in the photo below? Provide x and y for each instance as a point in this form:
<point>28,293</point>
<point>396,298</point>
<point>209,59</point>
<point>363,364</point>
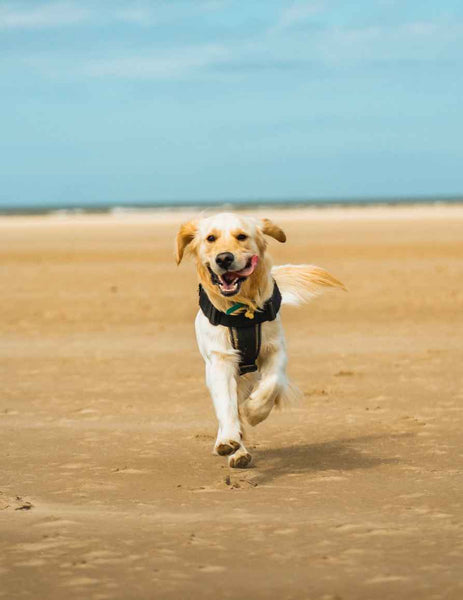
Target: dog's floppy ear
<point>185,235</point>
<point>269,228</point>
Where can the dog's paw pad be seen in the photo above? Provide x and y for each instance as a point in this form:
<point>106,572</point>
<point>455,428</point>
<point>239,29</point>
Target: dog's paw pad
<point>240,461</point>
<point>226,448</point>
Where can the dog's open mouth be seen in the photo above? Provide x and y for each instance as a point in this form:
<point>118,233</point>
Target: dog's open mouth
<point>230,282</point>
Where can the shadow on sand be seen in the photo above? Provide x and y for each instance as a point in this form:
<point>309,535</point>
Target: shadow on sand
<point>340,455</point>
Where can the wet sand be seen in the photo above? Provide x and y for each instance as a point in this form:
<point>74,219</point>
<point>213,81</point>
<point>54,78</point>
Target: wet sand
<point>108,487</point>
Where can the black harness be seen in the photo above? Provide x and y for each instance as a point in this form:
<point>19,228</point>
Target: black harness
<point>245,333</point>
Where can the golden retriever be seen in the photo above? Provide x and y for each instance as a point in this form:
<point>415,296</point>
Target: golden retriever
<point>240,286</point>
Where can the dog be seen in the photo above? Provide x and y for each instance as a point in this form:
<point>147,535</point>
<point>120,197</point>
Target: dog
<point>238,326</point>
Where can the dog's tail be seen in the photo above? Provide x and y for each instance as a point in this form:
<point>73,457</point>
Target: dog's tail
<point>301,283</point>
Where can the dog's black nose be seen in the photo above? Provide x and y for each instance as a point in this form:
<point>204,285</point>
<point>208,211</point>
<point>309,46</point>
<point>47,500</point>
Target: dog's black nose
<point>224,259</point>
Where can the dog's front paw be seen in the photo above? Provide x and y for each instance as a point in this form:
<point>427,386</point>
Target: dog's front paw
<point>226,447</point>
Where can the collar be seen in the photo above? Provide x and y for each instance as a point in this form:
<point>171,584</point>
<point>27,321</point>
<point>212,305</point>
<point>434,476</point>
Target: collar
<point>216,317</point>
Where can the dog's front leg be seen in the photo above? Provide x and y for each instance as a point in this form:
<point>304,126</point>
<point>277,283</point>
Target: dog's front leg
<point>221,381</point>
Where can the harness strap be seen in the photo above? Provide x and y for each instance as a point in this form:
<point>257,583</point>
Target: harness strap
<point>247,340</point>
<point>216,317</point>
<point>245,333</point>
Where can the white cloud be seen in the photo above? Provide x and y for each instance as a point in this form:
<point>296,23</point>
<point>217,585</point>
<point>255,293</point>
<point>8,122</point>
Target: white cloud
<point>327,46</point>
<point>421,28</point>
<point>423,40</point>
<point>36,14</point>
<point>159,66</point>
<point>14,16</point>
<point>296,13</point>
<point>212,5</point>
<point>137,16</point>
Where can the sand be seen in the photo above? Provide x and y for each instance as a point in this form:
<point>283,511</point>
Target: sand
<point>108,487</point>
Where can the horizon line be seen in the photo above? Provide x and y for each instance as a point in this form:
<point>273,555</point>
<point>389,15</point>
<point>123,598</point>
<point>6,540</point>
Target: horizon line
<point>108,206</point>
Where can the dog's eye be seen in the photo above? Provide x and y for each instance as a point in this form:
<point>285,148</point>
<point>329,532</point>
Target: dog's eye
<point>241,237</point>
<point>210,238</point>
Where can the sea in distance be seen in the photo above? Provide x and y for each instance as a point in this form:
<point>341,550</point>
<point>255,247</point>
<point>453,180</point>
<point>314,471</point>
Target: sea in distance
<point>13,208</point>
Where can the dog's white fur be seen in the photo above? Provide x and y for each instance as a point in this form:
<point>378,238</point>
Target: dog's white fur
<point>248,397</point>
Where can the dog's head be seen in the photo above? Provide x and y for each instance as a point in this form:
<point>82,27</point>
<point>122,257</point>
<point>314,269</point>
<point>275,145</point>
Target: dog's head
<point>229,250</point>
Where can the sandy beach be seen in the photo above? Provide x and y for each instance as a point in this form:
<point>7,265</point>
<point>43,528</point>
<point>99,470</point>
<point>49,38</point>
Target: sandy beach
<point>108,486</point>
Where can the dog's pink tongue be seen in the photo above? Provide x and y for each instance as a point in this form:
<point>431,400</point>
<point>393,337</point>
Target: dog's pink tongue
<point>247,271</point>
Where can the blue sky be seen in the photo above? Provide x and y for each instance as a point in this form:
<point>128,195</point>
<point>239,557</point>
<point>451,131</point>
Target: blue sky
<point>223,99</point>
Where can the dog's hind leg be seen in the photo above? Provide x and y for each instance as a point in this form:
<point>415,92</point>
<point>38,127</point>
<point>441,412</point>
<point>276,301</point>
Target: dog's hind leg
<point>271,387</point>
